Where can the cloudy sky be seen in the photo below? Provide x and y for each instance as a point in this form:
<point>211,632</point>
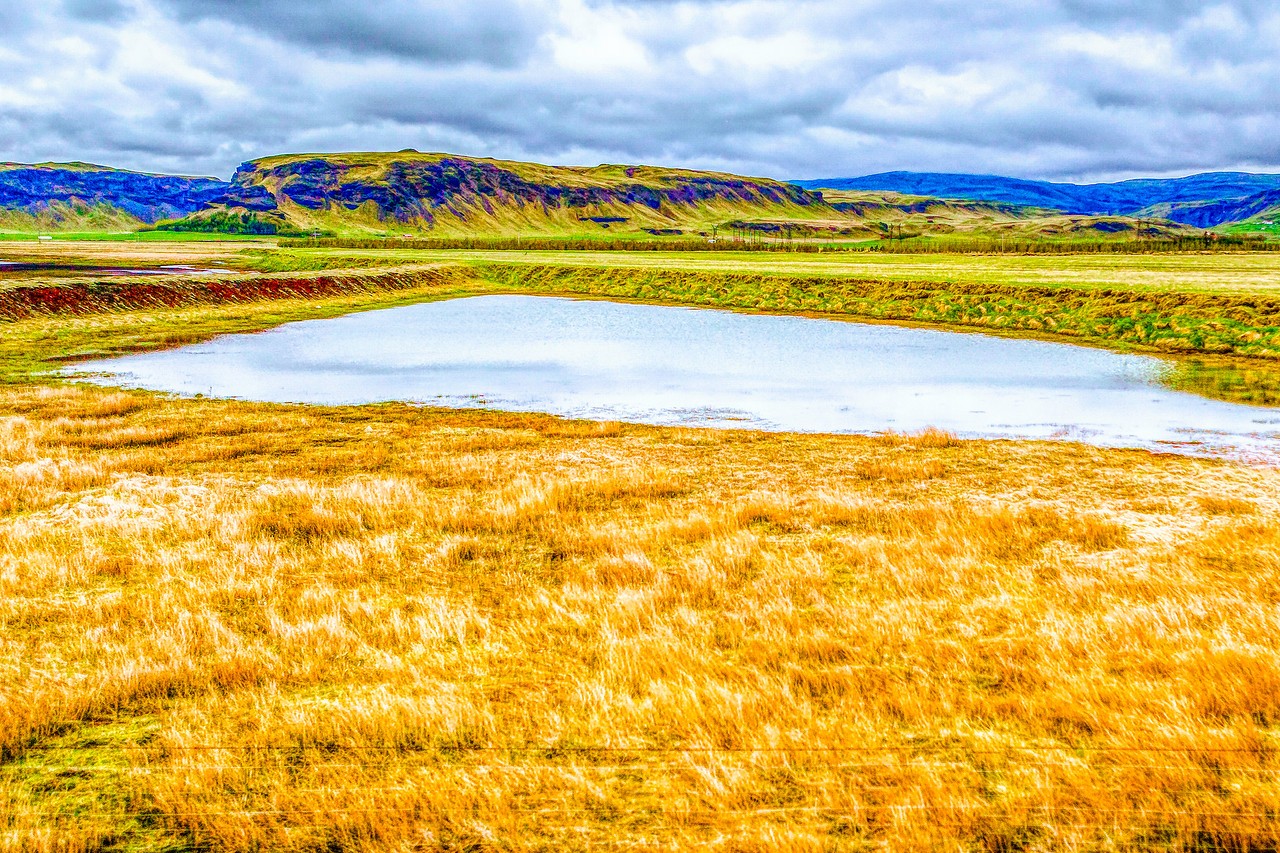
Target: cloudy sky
<point>1062,89</point>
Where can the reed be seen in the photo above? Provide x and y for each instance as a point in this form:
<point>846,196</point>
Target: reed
<point>763,242</point>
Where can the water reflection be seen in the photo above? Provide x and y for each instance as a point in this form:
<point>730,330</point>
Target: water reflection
<point>666,365</point>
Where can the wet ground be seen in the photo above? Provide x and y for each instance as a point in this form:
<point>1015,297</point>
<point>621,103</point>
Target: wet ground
<point>699,367</point>
<point>22,270</point>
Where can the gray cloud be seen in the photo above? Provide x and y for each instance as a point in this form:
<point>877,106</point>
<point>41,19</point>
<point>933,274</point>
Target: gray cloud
<point>493,31</point>
<point>804,88</point>
<point>96,10</point>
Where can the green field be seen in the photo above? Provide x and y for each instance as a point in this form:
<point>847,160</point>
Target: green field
<point>1269,228</point>
<point>1228,273</point>
<point>1210,272</point>
<point>123,237</point>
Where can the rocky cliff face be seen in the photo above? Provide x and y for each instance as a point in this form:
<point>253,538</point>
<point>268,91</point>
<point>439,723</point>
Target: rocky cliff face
<point>35,190</point>
<point>423,190</point>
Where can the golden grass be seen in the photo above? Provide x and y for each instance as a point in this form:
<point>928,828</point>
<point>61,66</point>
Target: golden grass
<point>245,627</point>
<point>248,627</point>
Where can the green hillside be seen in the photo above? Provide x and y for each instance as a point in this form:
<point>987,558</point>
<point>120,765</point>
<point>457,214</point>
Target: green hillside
<point>72,216</point>
<point>411,194</point>
<point>1265,224</point>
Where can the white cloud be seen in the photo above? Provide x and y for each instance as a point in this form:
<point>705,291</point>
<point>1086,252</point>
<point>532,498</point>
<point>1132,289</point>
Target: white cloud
<point>801,88</point>
<point>595,42</point>
<point>756,57</point>
<point>1136,52</point>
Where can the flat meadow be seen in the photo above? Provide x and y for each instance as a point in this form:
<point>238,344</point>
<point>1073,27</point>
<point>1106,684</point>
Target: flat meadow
<point>237,626</point>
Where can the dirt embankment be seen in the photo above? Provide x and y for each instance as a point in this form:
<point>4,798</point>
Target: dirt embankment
<point>91,297</point>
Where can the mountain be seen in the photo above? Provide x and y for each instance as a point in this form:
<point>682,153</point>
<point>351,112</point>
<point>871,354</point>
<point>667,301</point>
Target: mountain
<point>82,195</point>
<point>440,193</point>
<point>415,194</point>
<point>1203,201</point>
<point>1208,214</point>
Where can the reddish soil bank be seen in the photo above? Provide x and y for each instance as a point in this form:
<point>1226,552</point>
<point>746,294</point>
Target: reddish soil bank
<point>125,294</point>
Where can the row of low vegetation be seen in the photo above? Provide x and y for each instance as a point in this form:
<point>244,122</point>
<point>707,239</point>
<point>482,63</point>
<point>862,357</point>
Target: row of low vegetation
<point>133,294</point>
<point>1075,246</point>
<point>529,244</point>
<point>913,245</point>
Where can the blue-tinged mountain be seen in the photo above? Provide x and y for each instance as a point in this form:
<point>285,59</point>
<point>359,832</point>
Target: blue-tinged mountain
<point>81,195</point>
<point>1210,214</point>
<point>408,192</point>
<point>1204,201</point>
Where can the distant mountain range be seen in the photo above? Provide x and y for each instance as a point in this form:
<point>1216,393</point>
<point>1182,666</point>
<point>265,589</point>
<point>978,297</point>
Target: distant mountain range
<point>1204,201</point>
<point>47,192</point>
<point>419,193</point>
<point>393,192</point>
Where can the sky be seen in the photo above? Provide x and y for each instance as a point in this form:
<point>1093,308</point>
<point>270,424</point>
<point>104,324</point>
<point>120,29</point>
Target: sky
<point>1056,89</point>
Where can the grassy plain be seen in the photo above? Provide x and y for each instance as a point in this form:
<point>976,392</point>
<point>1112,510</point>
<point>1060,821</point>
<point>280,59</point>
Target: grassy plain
<point>1224,273</point>
<point>1221,273</point>
<point>231,626</point>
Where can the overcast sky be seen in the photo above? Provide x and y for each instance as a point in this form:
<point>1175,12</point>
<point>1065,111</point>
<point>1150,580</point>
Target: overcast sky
<point>1060,89</point>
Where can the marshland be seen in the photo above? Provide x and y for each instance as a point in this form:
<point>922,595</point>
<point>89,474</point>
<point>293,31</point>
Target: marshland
<point>230,625</point>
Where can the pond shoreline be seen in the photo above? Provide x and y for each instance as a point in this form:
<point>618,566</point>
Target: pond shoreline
<point>1237,376</point>
<point>696,366</point>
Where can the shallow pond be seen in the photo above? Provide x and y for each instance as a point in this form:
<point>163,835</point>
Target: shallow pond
<point>25,270</point>
<point>687,366</point>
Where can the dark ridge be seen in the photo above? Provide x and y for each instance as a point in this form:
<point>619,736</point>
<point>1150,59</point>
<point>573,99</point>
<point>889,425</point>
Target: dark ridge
<point>148,198</point>
<point>417,190</point>
<point>1200,200</point>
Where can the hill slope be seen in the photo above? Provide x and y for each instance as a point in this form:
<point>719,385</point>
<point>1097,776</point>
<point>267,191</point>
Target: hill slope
<point>878,215</point>
<point>83,196</point>
<point>1208,214</point>
<point>1200,200</point>
<point>409,191</point>
<point>414,194</point>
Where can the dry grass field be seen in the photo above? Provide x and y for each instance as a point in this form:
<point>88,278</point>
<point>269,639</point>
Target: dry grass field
<point>243,627</point>
<point>240,627</point>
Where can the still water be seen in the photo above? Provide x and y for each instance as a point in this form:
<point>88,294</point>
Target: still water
<point>22,270</point>
<point>699,367</point>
